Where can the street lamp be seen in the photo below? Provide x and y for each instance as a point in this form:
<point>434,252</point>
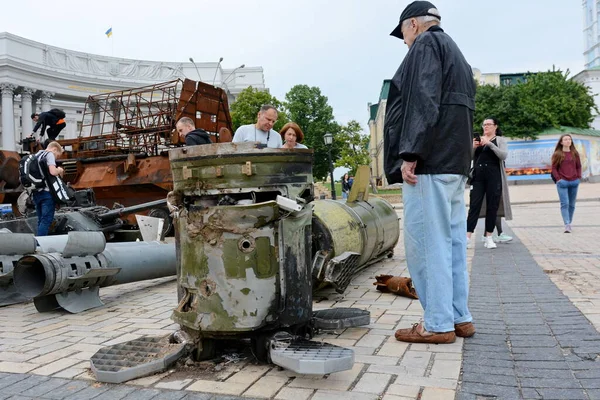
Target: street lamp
<point>224,82</point>
<point>217,69</point>
<point>197,70</point>
<point>328,142</point>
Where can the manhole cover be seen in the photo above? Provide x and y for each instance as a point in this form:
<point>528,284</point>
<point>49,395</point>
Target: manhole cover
<point>341,318</point>
<point>140,357</point>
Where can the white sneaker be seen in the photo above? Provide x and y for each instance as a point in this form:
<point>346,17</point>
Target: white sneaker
<point>489,243</point>
<point>469,243</point>
<point>503,238</point>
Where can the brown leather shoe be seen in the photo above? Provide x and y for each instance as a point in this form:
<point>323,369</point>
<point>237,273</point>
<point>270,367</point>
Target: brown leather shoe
<point>465,329</point>
<point>418,334</point>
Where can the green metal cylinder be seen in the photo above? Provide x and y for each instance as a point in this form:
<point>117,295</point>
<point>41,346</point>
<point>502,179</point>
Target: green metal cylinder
<point>368,229</point>
<point>244,262</point>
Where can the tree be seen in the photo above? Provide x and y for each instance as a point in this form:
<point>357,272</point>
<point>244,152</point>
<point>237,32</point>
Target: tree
<point>309,108</point>
<point>546,100</point>
<point>245,108</point>
<point>355,152</point>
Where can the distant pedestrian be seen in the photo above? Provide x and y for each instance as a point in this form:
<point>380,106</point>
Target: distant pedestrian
<point>489,180</point>
<point>504,209</point>
<point>345,186</point>
<point>566,172</point>
<point>427,138</point>
<point>188,132</point>
<point>292,136</point>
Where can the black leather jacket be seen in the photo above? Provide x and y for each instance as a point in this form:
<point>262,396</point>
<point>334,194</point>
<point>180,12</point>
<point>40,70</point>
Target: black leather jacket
<point>429,113</point>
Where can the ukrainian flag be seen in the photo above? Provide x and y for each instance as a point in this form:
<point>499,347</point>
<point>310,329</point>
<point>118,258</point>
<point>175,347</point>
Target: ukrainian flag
<point>108,33</point>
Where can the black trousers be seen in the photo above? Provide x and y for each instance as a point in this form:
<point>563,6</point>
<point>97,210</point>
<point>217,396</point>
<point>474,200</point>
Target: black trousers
<point>487,183</point>
<point>53,132</point>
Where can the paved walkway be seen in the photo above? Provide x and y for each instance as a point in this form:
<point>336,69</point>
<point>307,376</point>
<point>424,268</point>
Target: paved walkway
<point>533,301</point>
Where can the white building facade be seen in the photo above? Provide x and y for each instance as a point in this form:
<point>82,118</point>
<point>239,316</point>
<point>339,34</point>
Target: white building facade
<point>591,52</point>
<point>590,76</point>
<point>35,77</point>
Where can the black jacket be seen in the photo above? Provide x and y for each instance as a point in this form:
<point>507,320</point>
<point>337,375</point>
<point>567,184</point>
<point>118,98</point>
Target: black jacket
<point>45,119</point>
<point>196,137</point>
<point>429,113</point>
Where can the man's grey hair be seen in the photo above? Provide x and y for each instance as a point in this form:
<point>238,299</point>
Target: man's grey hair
<point>187,121</point>
<point>427,20</point>
<point>267,107</point>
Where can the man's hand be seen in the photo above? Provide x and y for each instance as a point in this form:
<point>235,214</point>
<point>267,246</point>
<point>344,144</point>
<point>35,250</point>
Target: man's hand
<point>61,171</point>
<point>408,172</point>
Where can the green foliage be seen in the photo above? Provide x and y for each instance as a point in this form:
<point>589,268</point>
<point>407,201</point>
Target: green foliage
<point>355,152</point>
<point>245,108</point>
<point>309,108</point>
<point>546,100</point>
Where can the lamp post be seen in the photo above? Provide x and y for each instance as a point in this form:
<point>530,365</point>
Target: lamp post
<point>328,142</point>
<point>216,70</point>
<point>197,70</point>
<point>224,82</point>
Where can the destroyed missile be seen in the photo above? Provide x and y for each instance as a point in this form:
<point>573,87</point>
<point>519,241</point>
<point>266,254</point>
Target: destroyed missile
<point>70,278</point>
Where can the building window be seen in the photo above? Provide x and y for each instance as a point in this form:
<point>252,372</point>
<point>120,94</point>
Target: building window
<point>79,126</point>
<point>61,137</point>
<point>79,112</point>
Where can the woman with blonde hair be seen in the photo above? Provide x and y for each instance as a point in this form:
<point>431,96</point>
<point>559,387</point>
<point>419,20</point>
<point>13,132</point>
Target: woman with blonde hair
<point>293,136</point>
<point>566,172</point>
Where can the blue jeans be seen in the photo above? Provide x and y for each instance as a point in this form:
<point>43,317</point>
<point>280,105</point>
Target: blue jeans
<point>44,209</point>
<point>567,193</point>
<point>435,234</point>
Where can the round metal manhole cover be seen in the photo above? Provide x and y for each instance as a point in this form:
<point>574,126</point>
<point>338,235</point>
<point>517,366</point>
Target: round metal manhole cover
<point>341,318</point>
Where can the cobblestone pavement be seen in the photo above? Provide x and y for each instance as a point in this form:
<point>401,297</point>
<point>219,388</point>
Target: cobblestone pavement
<point>46,356</point>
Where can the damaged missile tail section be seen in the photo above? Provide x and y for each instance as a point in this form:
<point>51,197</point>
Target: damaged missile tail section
<point>233,238</point>
<point>244,237</point>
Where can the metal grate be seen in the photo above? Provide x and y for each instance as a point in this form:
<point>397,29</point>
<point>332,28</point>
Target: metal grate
<point>309,357</point>
<point>341,318</point>
<point>134,359</point>
<point>341,269</point>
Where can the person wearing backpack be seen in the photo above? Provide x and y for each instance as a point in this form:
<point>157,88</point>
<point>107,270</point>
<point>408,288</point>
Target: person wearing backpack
<point>42,198</point>
<point>54,120</point>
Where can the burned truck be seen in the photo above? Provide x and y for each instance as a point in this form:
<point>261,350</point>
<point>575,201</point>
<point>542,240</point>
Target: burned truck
<point>122,149</point>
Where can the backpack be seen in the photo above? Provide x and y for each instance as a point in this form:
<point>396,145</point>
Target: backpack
<point>58,113</point>
<point>31,175</point>
<point>61,193</point>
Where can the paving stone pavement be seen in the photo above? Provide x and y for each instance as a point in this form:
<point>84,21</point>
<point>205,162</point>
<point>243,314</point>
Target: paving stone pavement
<point>46,356</point>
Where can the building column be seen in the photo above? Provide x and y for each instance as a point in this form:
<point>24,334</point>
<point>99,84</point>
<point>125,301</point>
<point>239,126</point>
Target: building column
<point>46,98</point>
<point>96,128</point>
<point>26,111</point>
<point>8,116</point>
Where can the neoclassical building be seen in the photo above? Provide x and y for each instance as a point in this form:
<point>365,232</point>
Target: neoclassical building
<point>36,77</point>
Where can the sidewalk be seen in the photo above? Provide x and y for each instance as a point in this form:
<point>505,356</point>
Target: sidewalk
<point>533,300</point>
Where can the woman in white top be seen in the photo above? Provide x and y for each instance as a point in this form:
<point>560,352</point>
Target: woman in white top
<point>293,136</point>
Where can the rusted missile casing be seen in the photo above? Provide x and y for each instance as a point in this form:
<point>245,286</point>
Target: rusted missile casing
<point>367,229</point>
<point>244,262</point>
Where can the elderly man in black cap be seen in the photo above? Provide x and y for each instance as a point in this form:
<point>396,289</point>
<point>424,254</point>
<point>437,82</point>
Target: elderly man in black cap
<point>428,141</point>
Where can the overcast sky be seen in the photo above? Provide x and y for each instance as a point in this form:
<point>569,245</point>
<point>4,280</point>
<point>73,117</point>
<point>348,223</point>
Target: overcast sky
<point>341,46</point>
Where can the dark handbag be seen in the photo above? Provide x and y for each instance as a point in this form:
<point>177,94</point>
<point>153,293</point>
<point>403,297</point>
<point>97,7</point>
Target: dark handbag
<point>471,176</point>
<point>472,172</point>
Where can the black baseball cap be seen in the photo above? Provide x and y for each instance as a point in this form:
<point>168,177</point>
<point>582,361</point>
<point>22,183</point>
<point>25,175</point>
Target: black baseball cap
<point>415,9</point>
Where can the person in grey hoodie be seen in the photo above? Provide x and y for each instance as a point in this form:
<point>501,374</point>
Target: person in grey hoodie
<point>188,132</point>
